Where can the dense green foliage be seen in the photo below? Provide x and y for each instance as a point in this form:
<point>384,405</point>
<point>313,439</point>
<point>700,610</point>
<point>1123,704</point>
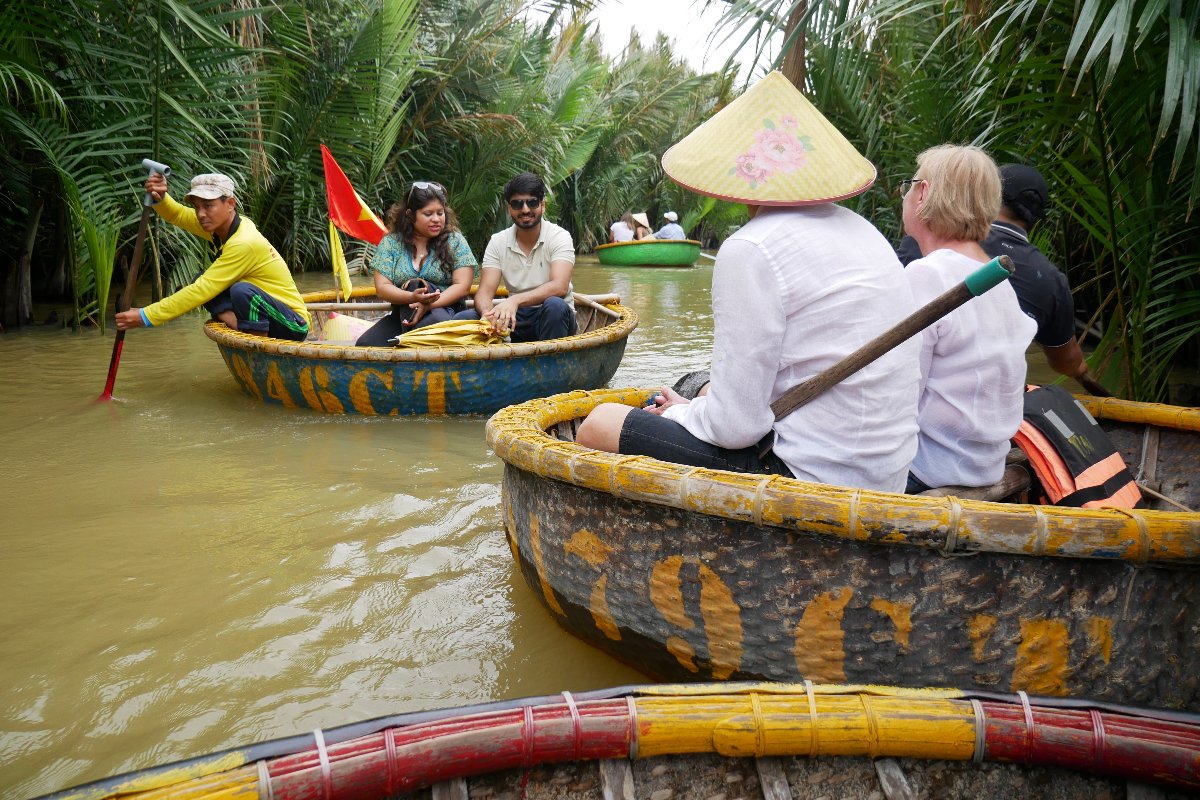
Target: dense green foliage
<point>467,93</point>
<point>1100,95</point>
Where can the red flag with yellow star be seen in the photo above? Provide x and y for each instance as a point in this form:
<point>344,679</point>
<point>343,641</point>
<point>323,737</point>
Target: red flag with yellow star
<point>346,209</point>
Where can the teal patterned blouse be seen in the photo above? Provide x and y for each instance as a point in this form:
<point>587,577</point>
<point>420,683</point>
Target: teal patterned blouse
<point>394,261</point>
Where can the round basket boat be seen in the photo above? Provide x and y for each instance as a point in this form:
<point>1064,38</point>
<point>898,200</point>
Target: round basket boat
<point>774,741</point>
<point>650,253</point>
<point>704,574</point>
<point>339,378</point>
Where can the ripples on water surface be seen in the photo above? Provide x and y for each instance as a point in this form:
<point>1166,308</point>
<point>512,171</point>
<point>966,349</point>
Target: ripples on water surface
<point>186,570</point>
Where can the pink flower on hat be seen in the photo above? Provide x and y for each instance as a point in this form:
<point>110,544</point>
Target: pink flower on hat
<point>749,168</point>
<point>781,151</point>
<point>774,151</point>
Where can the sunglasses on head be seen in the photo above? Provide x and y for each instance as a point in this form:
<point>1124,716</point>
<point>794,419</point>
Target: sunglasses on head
<point>517,205</point>
<point>423,185</point>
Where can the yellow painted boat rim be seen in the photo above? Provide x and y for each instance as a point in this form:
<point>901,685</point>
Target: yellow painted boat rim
<point>518,435</point>
<point>612,245</point>
<point>615,331</point>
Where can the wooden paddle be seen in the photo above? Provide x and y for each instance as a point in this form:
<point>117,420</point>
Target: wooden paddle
<point>131,278</point>
<point>991,274</point>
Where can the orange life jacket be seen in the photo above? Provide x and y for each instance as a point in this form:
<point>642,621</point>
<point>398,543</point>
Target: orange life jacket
<point>1073,459</point>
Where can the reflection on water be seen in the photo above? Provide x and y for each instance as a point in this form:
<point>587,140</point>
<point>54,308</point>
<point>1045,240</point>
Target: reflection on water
<point>187,570</point>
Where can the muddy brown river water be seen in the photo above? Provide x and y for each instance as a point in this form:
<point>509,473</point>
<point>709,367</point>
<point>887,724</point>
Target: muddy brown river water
<point>184,570</point>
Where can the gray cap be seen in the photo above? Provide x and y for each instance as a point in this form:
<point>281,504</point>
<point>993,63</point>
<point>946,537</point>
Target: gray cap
<point>211,185</point>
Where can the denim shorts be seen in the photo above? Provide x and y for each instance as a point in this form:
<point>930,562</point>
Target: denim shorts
<point>647,434</point>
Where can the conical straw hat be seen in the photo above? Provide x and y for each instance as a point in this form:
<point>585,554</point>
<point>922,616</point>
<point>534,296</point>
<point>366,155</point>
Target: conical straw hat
<point>769,147</point>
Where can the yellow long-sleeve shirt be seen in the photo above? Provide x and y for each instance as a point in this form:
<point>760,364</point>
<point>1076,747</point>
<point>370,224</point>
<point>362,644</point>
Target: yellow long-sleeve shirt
<point>247,256</point>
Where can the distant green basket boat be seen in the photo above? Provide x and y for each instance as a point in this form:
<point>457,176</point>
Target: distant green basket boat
<point>650,253</point>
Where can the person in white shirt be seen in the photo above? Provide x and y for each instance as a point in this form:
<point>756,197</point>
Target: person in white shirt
<point>622,229</point>
<point>972,359</point>
<point>672,230</point>
<point>804,283</point>
<point>535,258</point>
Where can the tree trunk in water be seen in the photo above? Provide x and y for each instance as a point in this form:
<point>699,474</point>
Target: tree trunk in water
<point>793,60</point>
<point>24,283</point>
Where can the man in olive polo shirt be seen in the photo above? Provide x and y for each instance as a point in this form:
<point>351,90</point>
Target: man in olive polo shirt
<point>535,257</point>
<point>248,286</point>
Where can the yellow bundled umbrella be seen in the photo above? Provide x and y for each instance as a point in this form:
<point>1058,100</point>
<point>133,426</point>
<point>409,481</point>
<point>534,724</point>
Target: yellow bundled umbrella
<point>452,333</point>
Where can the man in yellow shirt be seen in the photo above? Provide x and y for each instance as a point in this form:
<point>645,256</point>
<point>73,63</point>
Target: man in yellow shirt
<point>248,286</point>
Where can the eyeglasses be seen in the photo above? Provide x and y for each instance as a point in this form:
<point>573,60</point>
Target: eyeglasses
<point>423,185</point>
<point>517,205</point>
<point>907,184</point>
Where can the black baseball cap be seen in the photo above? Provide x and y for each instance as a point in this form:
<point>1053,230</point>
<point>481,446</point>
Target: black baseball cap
<point>1024,192</point>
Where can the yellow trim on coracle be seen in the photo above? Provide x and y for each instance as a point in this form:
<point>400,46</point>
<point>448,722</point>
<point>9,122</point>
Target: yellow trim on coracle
<point>617,330</point>
<point>517,435</point>
<point>215,778</point>
<point>778,724</point>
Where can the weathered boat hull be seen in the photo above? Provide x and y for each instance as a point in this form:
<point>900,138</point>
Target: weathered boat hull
<point>650,253</point>
<point>774,741</point>
<point>702,574</point>
<point>384,381</point>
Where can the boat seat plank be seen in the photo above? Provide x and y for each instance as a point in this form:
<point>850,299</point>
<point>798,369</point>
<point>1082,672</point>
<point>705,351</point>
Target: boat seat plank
<point>1015,480</point>
<point>616,779</point>
<point>892,780</point>
<point>454,789</point>
<point>772,779</point>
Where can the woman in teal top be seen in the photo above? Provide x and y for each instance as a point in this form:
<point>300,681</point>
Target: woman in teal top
<point>424,267</point>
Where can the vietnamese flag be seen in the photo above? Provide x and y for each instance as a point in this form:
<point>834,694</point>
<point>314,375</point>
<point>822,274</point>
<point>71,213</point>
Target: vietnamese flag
<point>346,209</point>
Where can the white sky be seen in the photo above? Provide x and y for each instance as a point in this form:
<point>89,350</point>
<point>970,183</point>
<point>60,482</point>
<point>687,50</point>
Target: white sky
<point>687,22</point>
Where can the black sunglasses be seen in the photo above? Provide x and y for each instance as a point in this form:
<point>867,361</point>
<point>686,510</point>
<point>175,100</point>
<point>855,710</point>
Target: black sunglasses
<point>517,205</point>
<point>907,184</point>
<point>436,187</point>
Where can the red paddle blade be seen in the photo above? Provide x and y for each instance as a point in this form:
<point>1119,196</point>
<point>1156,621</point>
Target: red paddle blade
<point>118,345</point>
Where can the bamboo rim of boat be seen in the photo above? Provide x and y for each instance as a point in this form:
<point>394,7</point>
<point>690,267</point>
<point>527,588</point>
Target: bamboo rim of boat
<point>740,720</point>
<point>615,331</point>
<point>951,525</point>
<point>611,245</point>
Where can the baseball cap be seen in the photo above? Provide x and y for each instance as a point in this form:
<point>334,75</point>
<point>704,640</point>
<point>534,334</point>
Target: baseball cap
<point>1024,191</point>
<point>211,185</point>
<point>671,216</point>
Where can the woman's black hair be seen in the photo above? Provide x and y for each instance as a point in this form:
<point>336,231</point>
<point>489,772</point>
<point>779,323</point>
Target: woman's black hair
<point>399,219</point>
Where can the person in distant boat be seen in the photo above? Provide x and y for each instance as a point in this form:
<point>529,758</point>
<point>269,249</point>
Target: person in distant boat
<point>972,359</point>
<point>248,286</point>
<point>641,228</point>
<point>622,229</point>
<point>672,230</point>
<point>424,267</point>
<point>801,285</point>
<point>535,258</point>
<point>1041,287</point>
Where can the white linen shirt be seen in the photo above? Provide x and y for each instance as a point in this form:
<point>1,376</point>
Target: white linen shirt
<point>522,272</point>
<point>972,376</point>
<point>794,291</point>
<point>621,232</point>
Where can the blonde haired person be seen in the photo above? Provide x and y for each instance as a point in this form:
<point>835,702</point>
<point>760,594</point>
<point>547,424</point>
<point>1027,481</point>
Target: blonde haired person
<point>973,359</point>
<point>622,229</point>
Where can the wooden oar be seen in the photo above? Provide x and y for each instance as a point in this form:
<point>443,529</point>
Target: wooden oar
<point>590,303</point>
<point>991,274</point>
<point>131,278</point>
